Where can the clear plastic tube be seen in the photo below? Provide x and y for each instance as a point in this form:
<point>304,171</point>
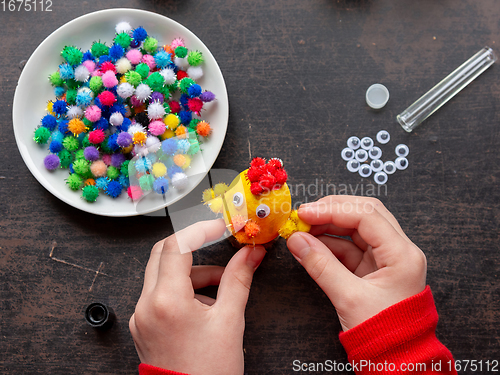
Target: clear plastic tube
<point>430,102</point>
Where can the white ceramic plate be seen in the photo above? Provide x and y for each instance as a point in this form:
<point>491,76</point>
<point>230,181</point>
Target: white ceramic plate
<point>34,91</point>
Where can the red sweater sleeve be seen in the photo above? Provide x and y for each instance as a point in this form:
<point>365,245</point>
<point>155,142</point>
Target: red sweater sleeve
<point>152,370</point>
<point>399,340</point>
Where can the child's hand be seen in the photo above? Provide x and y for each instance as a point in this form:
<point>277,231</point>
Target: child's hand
<point>379,268</point>
<point>175,329</point>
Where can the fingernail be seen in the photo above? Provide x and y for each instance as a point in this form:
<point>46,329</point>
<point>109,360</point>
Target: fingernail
<point>255,257</point>
<point>298,246</point>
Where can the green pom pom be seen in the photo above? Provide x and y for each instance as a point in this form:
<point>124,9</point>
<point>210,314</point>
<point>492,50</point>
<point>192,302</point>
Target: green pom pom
<point>42,135</point>
<point>98,49</point>
<point>55,79</point>
<point>71,143</point>
<point>123,39</point>
<point>133,78</point>
<point>85,141</point>
<point>150,45</point>
<point>72,55</point>
<point>194,145</point>
<point>195,58</point>
<point>90,193</point>
<point>74,181</point>
<point>72,84</point>
<point>71,96</point>
<point>113,172</point>
<point>79,154</point>
<point>95,84</point>
<point>124,168</point>
<point>104,146</point>
<point>81,166</point>
<point>166,106</point>
<point>89,124</point>
<point>143,70</point>
<point>185,84</point>
<point>193,123</point>
<point>181,52</point>
<point>146,182</point>
<point>155,81</point>
<point>65,157</point>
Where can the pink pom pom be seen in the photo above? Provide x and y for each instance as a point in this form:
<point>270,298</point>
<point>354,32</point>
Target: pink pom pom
<point>95,73</point>
<point>93,113</point>
<point>149,61</point>
<point>157,127</point>
<point>96,136</point>
<point>109,79</point>
<point>134,192</point>
<point>106,159</point>
<point>98,168</point>
<point>90,65</point>
<point>134,56</point>
<point>135,102</point>
<point>176,43</point>
<point>107,98</point>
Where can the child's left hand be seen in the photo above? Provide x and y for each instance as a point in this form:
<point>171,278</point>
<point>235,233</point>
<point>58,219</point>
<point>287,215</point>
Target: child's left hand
<point>175,329</point>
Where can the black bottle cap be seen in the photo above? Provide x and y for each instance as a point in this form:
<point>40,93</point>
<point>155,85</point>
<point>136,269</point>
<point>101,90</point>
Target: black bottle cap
<point>99,316</point>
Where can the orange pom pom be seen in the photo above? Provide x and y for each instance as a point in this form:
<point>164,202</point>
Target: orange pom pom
<point>139,138</point>
<point>89,181</point>
<point>203,128</point>
<point>76,126</point>
<point>179,160</point>
<point>252,229</point>
<point>181,132</point>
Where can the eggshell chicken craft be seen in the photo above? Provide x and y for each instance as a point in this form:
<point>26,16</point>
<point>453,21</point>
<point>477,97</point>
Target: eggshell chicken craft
<point>257,206</point>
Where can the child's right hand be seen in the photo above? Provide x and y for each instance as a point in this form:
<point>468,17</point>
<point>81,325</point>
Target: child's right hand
<point>378,269</point>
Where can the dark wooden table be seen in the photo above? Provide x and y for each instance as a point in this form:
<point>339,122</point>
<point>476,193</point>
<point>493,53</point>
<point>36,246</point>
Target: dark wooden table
<point>296,74</point>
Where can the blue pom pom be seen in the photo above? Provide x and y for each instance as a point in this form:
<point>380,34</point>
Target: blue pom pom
<point>173,170</point>
<point>124,181</point>
<point>104,58</point>
<point>59,107</point>
<point>160,185</point>
<point>140,34</point>
<point>169,146</point>
<point>59,91</point>
<point>97,102</point>
<point>57,136</point>
<point>55,146</point>
<point>83,98</point>
<point>183,146</point>
<point>63,127</point>
<point>114,189</point>
<point>162,59</point>
<point>194,91</point>
<point>88,56</point>
<point>116,52</point>
<point>66,71</point>
<point>71,170</point>
<point>102,183</point>
<point>102,124</point>
<point>112,145</point>
<point>49,122</point>
<point>125,125</point>
<point>184,101</point>
<point>117,108</point>
<point>143,165</point>
<point>152,157</point>
<point>185,117</point>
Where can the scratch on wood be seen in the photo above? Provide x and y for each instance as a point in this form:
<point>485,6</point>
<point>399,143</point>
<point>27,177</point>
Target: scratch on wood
<point>51,256</point>
<point>96,274</point>
<point>249,147</point>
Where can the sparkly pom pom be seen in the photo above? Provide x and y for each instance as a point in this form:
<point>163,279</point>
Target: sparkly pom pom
<point>107,98</point>
<point>93,113</point>
<point>74,111</point>
<point>171,121</point>
<point>149,61</point>
<point>194,58</point>
<point>76,126</point>
<point>84,97</point>
<point>157,128</point>
<point>116,52</point>
<point>114,189</point>
<point>82,74</point>
<point>123,65</point>
<point>180,181</point>
<point>195,105</point>
<point>150,45</point>
<point>134,192</point>
<point>42,135</point>
<point>81,166</point>
<point>123,27</point>
<point>49,122</point>
<point>160,186</point>
<point>125,90</point>
<point>109,79</point>
<point>169,76</point>
<point>55,146</point>
<point>71,143</point>
<point>156,111</point>
<point>177,42</point>
<point>91,153</point>
<point>124,139</point>
<point>99,168</point>
<point>96,136</point>
<point>140,34</point>
<point>203,129</point>
<point>195,72</point>
<point>162,59</point>
<point>134,56</point>
<point>66,71</point>
<point>142,92</point>
<point>116,119</point>
<point>90,193</point>
<point>99,49</point>
<point>74,181</point>
<point>59,107</point>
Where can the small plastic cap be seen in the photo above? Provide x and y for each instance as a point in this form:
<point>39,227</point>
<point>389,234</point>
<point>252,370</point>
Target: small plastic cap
<point>99,316</point>
<point>377,96</point>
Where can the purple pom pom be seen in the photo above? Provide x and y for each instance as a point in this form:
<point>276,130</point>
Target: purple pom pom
<point>207,96</point>
<point>157,97</point>
<point>117,160</point>
<point>91,153</point>
<point>124,139</point>
<point>51,162</point>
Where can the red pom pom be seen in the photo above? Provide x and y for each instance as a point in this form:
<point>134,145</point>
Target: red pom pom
<point>96,136</point>
<point>175,107</point>
<point>255,188</point>
<point>108,65</point>
<point>281,176</point>
<point>195,105</point>
<point>267,182</point>
<point>254,174</point>
<point>257,162</point>
<point>107,98</point>
<point>181,74</point>
<point>275,163</point>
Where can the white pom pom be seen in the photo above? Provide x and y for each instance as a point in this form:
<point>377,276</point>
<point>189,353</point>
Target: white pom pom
<point>195,72</point>
<point>169,76</point>
<point>116,119</point>
<point>153,143</point>
<point>180,180</point>
<point>182,63</point>
<point>134,128</point>
<point>123,65</point>
<point>81,73</point>
<point>74,111</point>
<point>140,150</point>
<point>123,27</point>
<point>156,111</point>
<point>125,90</point>
<point>142,92</point>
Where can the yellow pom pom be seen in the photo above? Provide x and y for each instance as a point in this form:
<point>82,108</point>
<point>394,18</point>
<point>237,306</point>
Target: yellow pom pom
<point>139,138</point>
<point>49,107</point>
<point>123,79</point>
<point>171,121</point>
<point>159,169</point>
<point>302,226</point>
<point>292,225</point>
<point>287,229</point>
<point>207,195</point>
<point>127,150</point>
<point>216,205</point>
<point>167,134</point>
<point>187,161</point>
<point>220,189</point>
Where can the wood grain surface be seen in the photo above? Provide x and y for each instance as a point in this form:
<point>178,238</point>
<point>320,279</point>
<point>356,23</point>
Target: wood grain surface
<point>296,74</point>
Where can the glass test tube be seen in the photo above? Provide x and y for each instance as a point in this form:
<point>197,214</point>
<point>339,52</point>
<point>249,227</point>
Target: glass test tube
<point>431,101</point>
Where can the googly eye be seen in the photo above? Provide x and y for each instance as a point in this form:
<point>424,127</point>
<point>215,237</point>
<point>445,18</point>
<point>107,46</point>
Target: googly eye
<point>366,143</point>
<point>353,165</point>
<point>347,154</point>
<point>361,155</point>
<point>383,137</point>
<point>375,153</point>
<point>389,167</point>
<point>262,211</point>
<point>353,142</point>
<point>377,165</point>
<point>401,163</point>
<point>402,150</point>
<point>238,199</point>
<point>380,178</point>
<point>365,170</point>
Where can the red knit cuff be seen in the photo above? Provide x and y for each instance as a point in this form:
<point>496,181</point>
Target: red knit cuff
<point>145,369</point>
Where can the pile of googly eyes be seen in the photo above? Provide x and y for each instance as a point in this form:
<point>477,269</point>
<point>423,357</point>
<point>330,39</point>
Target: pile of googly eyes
<point>364,157</point>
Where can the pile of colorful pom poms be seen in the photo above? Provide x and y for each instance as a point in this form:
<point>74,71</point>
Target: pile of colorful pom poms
<point>129,110</point>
